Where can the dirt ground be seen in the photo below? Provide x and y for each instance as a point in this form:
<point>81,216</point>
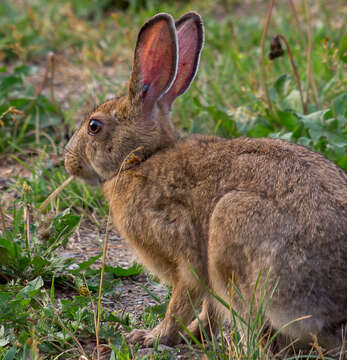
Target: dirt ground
<point>130,297</point>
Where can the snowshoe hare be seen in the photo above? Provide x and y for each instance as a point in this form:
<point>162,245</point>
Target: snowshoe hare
<point>226,208</point>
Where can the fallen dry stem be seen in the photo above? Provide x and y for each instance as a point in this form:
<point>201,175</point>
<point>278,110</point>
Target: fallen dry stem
<point>55,193</point>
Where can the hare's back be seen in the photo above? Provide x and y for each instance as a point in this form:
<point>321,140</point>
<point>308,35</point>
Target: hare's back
<point>271,167</point>
<point>305,186</point>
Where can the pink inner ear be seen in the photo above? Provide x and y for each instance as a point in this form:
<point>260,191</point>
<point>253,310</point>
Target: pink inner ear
<point>189,45</point>
<point>157,59</point>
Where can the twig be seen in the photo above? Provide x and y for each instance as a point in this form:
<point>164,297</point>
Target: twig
<point>103,260</point>
<point>291,2</point>
<point>45,76</point>
<point>49,138</point>
<point>52,62</point>
<point>51,80</point>
<point>74,338</point>
<point>56,192</point>
<point>283,38</point>
<point>26,191</point>
<point>2,217</point>
<point>91,300</point>
<point>13,110</point>
<point>262,44</point>
<point>37,126</point>
<point>27,225</point>
<point>309,54</point>
<point>310,77</point>
<point>38,91</point>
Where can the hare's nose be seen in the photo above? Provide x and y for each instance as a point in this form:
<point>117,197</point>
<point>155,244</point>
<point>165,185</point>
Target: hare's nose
<point>71,145</point>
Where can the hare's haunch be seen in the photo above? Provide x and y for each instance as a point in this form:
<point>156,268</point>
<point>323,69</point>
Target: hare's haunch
<point>226,208</point>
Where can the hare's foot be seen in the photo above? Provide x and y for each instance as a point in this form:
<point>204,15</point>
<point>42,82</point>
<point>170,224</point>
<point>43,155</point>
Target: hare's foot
<point>207,324</point>
<point>161,335</point>
<point>180,308</point>
<point>147,338</point>
<point>137,336</point>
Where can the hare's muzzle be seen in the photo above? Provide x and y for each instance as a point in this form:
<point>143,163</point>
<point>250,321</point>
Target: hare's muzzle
<point>77,163</point>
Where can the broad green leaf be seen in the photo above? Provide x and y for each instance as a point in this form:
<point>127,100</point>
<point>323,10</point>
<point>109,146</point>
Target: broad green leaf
<point>293,101</point>
<point>8,247</point>
<point>288,119</point>
<point>86,264</point>
<point>10,252</point>
<point>340,105</point>
<point>314,123</point>
<point>63,226</point>
<point>282,85</point>
<point>11,353</point>
<point>31,289</point>
<point>39,263</point>
<point>342,162</point>
<point>120,272</point>
<point>259,130</point>
<point>4,340</point>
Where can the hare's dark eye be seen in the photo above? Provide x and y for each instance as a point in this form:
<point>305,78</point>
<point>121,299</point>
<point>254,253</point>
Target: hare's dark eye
<point>94,126</point>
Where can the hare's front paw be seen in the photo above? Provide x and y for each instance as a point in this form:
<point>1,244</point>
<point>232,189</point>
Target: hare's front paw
<point>137,336</point>
<point>147,338</point>
<point>144,338</point>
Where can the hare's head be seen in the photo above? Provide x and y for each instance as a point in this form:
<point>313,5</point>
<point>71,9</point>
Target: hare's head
<point>165,63</point>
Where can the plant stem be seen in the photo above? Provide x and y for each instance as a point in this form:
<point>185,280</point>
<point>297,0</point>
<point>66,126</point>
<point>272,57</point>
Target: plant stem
<point>262,44</point>
<point>2,217</point>
<point>51,80</point>
<point>310,77</point>
<point>283,38</point>
<point>39,90</point>
<point>37,125</point>
<point>27,226</point>
<point>291,2</point>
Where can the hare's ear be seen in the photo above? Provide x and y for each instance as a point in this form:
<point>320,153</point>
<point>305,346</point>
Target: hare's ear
<point>190,33</point>
<point>155,61</point>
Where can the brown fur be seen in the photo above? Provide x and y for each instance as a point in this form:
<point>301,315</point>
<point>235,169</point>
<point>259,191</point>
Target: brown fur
<point>228,208</point>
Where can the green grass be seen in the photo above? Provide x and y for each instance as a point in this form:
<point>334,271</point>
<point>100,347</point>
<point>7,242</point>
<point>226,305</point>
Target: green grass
<point>93,42</point>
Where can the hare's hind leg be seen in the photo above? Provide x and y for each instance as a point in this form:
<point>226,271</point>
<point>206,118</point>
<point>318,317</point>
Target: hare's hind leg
<point>245,238</point>
<point>250,241</point>
<point>207,324</point>
<point>239,247</point>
